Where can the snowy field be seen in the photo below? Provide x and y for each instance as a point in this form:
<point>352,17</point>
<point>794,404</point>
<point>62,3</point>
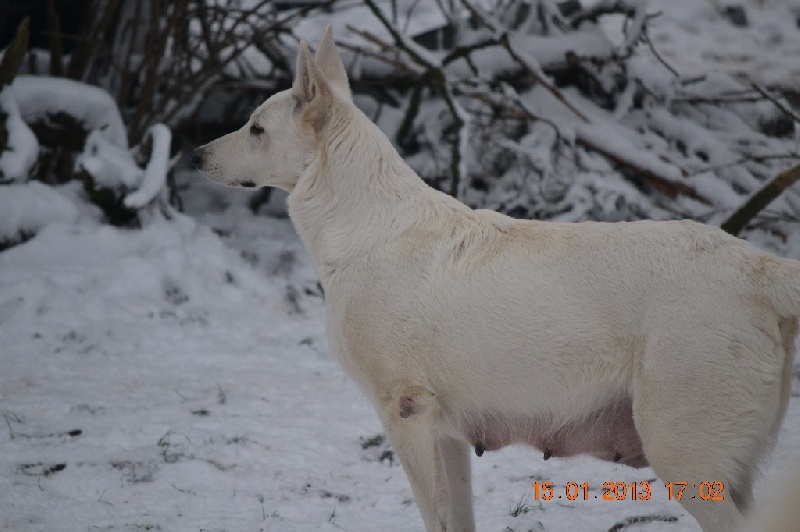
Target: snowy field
<point>177,378</point>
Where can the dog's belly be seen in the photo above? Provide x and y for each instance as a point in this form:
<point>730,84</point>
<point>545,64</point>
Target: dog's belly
<point>607,433</point>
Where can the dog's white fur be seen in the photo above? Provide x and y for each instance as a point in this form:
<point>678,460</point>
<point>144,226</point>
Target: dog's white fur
<point>467,328</point>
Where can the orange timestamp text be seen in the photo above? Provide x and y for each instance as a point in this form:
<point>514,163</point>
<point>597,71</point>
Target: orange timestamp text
<point>634,491</point>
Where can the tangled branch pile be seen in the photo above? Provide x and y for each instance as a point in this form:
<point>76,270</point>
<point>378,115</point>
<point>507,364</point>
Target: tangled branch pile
<point>551,109</point>
<point>520,107</point>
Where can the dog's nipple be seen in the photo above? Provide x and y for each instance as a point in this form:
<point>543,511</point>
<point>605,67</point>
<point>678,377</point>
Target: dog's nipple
<point>547,454</point>
<point>479,448</point>
<point>617,457</point>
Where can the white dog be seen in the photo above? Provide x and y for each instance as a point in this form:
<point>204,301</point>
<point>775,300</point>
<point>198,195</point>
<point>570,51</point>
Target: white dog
<point>667,344</point>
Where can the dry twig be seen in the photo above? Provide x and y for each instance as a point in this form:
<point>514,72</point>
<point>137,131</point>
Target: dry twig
<point>758,201</point>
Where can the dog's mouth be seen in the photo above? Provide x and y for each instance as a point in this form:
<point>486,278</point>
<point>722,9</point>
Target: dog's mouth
<point>235,184</point>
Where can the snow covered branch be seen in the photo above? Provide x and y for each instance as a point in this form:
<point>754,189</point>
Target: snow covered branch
<point>528,63</point>
<point>609,110</point>
<point>435,77</point>
<point>549,74</point>
<point>154,180</point>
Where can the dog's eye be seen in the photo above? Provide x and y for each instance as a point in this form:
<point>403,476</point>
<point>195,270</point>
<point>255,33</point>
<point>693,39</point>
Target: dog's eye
<point>255,129</point>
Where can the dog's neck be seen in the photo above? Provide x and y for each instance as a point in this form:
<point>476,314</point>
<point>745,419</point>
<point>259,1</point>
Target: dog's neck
<point>353,194</point>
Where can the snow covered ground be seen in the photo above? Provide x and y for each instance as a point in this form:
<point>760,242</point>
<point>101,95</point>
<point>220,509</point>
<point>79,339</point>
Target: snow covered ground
<point>177,378</point>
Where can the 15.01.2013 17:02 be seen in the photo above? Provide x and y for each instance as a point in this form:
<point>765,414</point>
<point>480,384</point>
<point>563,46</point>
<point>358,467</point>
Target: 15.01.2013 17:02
<point>636,491</point>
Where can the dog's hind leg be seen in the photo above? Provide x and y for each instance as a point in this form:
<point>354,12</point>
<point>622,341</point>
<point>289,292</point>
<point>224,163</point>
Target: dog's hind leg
<point>743,494</point>
<point>436,465</point>
<point>683,454</point>
<point>704,404</point>
<point>788,329</point>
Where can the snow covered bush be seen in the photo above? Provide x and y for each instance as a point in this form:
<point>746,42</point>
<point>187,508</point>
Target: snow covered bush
<point>138,70</point>
<point>43,100</point>
<point>114,179</point>
<point>160,59</point>
<point>61,113</point>
<point>71,122</point>
<point>22,147</point>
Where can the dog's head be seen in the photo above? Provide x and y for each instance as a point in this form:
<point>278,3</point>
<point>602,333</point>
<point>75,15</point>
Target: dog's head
<point>282,135</point>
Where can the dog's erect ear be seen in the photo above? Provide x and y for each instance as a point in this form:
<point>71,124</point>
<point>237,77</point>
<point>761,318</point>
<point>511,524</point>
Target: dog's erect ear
<point>328,60</point>
<point>311,91</point>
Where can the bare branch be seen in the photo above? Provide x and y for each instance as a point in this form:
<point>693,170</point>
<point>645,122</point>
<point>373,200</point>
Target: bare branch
<point>758,201</point>
<point>657,55</point>
<point>401,42</point>
<point>369,53</point>
<point>528,63</point>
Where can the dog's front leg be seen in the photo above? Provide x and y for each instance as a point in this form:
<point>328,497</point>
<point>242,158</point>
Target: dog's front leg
<point>457,466</point>
<point>437,466</point>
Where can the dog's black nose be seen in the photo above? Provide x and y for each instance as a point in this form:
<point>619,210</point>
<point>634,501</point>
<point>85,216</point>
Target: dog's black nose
<point>197,158</point>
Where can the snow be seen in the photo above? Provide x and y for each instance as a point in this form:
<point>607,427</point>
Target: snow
<point>615,142</point>
<point>23,147</point>
<point>174,379</point>
<point>39,96</point>
<point>109,165</point>
<point>767,50</point>
<point>538,50</point>
<point>464,133</point>
<point>113,167</point>
<point>155,173</point>
<point>26,208</point>
<point>634,31</point>
<point>413,18</point>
